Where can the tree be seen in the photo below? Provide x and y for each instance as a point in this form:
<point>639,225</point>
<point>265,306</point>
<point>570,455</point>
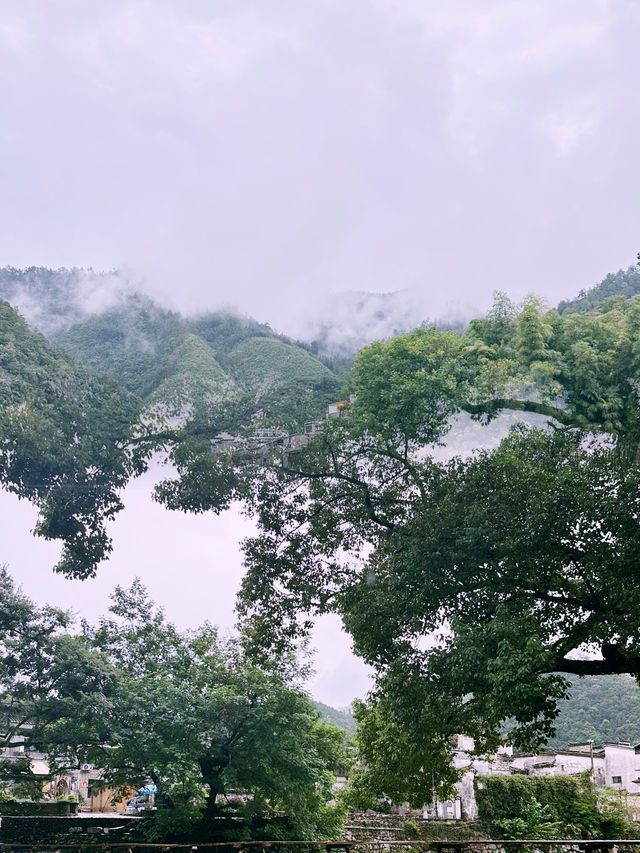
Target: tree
<point>55,693</point>
<point>64,445</point>
<point>468,585</point>
<point>138,699</point>
<point>199,719</point>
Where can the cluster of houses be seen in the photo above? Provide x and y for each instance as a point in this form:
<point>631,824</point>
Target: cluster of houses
<point>82,784</point>
<point>613,765</point>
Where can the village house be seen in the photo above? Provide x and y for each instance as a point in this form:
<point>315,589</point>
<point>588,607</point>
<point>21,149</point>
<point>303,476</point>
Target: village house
<point>614,765</point>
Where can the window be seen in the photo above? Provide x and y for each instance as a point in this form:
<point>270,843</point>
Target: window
<point>616,780</point>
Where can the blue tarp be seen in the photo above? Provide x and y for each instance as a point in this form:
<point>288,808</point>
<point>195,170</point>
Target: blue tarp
<point>147,789</point>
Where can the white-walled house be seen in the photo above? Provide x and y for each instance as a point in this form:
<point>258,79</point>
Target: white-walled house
<point>615,765</point>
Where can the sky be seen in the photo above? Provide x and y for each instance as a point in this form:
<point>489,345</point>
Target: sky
<point>266,154</point>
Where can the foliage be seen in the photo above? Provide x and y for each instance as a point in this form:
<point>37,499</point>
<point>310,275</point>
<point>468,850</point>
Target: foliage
<point>65,435</point>
<point>599,708</point>
<point>195,382</point>
<point>342,719</point>
<point>260,363</point>
<point>193,710</point>
<point>54,691</point>
<point>359,796</point>
<point>295,402</point>
<point>53,300</point>
<point>141,700</point>
<point>17,780</point>
<point>73,438</point>
<point>7,798</point>
<point>132,342</point>
<point>224,331</point>
<point>467,584</point>
<point>624,283</point>
<point>398,763</point>
<point>537,821</point>
<point>548,807</point>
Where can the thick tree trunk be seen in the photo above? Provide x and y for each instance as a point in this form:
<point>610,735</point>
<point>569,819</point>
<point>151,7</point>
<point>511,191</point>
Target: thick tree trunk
<point>212,776</point>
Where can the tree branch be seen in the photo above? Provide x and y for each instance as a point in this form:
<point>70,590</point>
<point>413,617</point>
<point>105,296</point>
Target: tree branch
<point>490,407</point>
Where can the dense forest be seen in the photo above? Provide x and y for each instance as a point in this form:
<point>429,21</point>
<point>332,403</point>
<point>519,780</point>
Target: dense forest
<point>603,709</point>
<point>624,283</point>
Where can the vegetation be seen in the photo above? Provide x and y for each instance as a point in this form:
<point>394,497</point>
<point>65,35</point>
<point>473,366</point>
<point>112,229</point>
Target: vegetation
<point>468,584</point>
<point>337,717</point>
<point>141,700</point>
<point>74,436</point>
<point>604,708</point>
<point>224,331</point>
<point>65,434</point>
<point>54,300</point>
<point>483,574</point>
<point>260,363</point>
<point>132,342</point>
<point>548,807</point>
<point>624,283</point>
<point>195,382</point>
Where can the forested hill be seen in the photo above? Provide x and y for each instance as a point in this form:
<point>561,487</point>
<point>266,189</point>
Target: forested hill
<point>624,283</point>
<point>64,429</point>
<point>341,719</point>
<point>187,380</point>
<point>602,708</point>
<point>175,366</point>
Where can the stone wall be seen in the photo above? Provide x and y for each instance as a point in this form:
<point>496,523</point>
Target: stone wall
<point>35,829</point>
<point>368,826</point>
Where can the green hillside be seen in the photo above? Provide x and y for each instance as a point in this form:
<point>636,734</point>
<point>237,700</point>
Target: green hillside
<point>259,364</point>
<point>132,342</point>
<point>623,283</point>
<point>64,432</point>
<point>172,363</point>
<point>224,331</point>
<point>601,708</point>
<point>341,719</point>
<point>52,300</point>
<point>195,380</point>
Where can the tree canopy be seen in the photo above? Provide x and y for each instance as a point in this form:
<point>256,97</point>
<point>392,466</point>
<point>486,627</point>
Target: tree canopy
<point>64,442</point>
<point>468,584</point>
<point>141,700</point>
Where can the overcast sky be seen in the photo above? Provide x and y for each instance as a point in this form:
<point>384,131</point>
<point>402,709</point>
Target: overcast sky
<point>258,151</point>
<point>265,153</point>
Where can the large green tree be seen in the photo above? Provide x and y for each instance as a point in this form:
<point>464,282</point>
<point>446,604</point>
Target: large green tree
<point>198,718</point>
<point>56,693</point>
<point>139,699</point>
<point>468,584</point>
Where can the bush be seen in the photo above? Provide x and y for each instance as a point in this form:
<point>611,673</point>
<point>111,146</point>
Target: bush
<point>549,806</point>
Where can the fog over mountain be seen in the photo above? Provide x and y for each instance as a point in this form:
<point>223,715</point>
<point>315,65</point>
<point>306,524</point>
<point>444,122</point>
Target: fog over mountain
<point>337,324</point>
<point>342,323</point>
<point>54,300</point>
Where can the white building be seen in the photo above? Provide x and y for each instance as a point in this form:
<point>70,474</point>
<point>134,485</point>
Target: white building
<point>615,765</point>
